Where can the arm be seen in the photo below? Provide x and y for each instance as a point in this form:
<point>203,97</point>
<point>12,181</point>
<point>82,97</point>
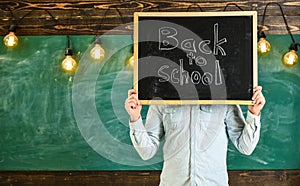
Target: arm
<point>245,133</point>
<point>145,139</point>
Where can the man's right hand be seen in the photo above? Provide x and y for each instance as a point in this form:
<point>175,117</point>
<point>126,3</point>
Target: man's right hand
<point>133,105</point>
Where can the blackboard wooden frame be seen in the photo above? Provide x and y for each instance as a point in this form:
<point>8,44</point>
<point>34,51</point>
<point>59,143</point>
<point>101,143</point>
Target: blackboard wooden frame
<point>200,15</point>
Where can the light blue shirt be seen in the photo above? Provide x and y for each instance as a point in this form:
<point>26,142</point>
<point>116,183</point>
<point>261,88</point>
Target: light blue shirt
<point>196,140</point>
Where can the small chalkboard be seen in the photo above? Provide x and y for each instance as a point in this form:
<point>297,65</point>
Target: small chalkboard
<point>195,57</point>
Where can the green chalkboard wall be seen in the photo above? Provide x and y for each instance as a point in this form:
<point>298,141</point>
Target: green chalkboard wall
<point>50,120</point>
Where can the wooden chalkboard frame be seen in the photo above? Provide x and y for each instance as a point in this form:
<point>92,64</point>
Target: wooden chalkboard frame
<point>252,14</point>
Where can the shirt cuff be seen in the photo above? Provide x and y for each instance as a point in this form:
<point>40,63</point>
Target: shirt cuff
<point>137,125</point>
<point>253,120</point>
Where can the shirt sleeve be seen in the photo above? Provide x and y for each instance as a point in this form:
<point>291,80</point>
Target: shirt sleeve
<point>244,133</point>
<point>146,138</point>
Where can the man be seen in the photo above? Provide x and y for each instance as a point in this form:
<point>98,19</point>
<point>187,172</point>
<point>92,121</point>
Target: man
<point>196,137</point>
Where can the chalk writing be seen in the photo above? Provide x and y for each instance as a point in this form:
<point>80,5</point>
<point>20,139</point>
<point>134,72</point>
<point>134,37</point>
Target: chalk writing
<point>181,76</point>
<point>168,40</point>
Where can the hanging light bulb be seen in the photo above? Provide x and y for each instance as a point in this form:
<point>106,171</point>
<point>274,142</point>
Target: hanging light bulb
<point>11,40</point>
<point>97,53</point>
<point>290,58</point>
<point>130,62</point>
<point>263,46</point>
<point>69,64</point>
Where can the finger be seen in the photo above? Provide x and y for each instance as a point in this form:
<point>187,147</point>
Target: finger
<point>131,91</point>
<point>256,94</point>
<point>260,101</point>
<point>132,102</point>
<point>134,97</point>
<point>130,105</point>
<point>257,88</point>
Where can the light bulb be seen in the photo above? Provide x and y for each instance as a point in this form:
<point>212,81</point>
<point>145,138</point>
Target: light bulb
<point>290,58</point>
<point>11,40</point>
<point>130,62</point>
<point>97,53</point>
<point>69,64</point>
<point>263,46</point>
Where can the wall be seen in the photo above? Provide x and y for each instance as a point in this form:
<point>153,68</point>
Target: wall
<point>39,129</point>
<point>91,17</point>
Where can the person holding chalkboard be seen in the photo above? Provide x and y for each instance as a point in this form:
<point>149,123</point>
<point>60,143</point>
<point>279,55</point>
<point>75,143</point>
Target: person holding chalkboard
<point>196,137</point>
